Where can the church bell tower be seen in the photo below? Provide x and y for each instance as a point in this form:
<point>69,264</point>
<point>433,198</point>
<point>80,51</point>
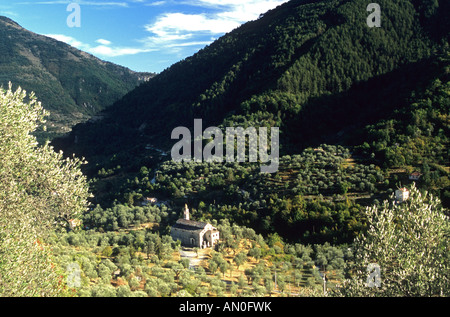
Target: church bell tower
<point>186,212</point>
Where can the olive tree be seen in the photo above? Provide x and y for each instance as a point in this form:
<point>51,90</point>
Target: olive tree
<point>404,251</point>
<point>40,190</point>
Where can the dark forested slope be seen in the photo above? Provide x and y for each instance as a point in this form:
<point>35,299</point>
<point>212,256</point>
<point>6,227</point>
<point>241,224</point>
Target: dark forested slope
<point>284,69</point>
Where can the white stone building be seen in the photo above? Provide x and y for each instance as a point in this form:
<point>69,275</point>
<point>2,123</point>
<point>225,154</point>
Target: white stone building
<point>194,233</point>
<point>401,195</point>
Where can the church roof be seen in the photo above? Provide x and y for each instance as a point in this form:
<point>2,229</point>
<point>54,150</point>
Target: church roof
<point>189,224</point>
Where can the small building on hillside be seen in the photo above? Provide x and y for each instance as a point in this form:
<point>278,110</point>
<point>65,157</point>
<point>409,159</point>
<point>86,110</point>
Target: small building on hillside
<point>194,233</point>
<point>149,200</point>
<point>73,223</point>
<point>401,195</point>
<point>415,176</point>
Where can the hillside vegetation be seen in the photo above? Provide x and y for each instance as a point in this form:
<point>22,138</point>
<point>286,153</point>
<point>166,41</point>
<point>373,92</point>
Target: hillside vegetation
<point>359,110</point>
<point>312,68</point>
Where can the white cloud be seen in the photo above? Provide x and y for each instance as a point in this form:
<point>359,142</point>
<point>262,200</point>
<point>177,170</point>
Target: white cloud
<point>68,40</point>
<point>239,10</point>
<point>176,23</point>
<point>107,51</point>
<point>155,3</point>
<point>103,42</point>
<point>80,2</point>
<point>175,28</point>
<point>244,11</point>
<point>102,50</point>
<point>173,31</point>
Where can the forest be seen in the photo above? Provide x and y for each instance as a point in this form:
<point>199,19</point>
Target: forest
<point>319,191</point>
<point>303,68</point>
<point>355,118</point>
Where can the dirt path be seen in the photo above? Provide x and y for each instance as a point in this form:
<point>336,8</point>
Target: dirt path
<point>190,254</point>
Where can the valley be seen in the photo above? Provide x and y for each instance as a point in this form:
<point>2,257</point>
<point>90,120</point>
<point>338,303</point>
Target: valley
<point>357,123</point>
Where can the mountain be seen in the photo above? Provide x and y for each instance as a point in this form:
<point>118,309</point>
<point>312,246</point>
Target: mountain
<point>72,85</point>
<point>359,109</point>
<point>290,68</point>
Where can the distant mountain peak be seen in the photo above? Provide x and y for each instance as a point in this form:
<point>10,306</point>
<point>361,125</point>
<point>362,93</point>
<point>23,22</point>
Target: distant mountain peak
<point>73,85</point>
<point>8,22</point>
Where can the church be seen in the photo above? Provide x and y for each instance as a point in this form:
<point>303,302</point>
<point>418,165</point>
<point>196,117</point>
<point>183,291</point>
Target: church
<point>194,233</point>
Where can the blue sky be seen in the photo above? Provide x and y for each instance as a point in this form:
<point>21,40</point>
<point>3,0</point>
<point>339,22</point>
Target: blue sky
<point>144,35</point>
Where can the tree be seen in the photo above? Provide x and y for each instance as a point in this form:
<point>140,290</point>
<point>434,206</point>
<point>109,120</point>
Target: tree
<point>213,266</point>
<point>255,252</point>
<point>189,283</point>
<point>240,258</point>
<point>224,266</point>
<point>103,291</point>
<point>343,187</point>
<point>107,251</point>
<point>281,283</point>
<point>269,283</point>
<point>124,291</point>
<point>40,191</point>
<point>133,282</point>
<point>404,251</point>
<point>217,287</point>
<point>185,263</point>
<point>241,281</point>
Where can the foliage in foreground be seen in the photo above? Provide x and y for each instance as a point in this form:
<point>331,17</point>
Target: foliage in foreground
<point>408,242</point>
<point>39,192</point>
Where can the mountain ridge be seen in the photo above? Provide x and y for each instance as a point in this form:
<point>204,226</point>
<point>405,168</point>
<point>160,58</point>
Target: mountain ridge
<point>73,85</point>
<point>328,81</point>
<point>267,71</point>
